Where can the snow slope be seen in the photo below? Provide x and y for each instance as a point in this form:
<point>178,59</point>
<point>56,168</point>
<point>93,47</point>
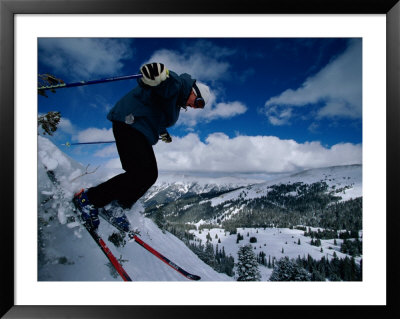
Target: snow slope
<point>346,180</point>
<point>271,241</point>
<point>172,186</point>
<point>68,253</point>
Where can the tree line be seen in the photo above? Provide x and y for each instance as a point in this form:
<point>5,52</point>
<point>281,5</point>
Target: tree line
<point>309,269</point>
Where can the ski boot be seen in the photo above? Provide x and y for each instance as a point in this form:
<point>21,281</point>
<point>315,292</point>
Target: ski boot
<point>115,214</point>
<point>88,213</point>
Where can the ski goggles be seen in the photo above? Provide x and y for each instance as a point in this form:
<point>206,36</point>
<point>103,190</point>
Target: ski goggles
<point>199,102</point>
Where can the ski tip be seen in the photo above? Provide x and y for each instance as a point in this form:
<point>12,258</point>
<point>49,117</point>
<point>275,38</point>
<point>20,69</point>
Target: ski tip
<point>194,277</point>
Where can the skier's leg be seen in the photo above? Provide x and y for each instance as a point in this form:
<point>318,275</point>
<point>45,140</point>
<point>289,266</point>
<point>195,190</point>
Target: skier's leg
<point>138,161</point>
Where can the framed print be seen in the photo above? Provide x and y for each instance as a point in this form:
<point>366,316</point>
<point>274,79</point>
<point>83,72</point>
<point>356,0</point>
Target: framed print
<point>292,88</point>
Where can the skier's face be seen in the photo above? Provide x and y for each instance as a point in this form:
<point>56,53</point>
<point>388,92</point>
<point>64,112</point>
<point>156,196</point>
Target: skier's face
<point>195,102</point>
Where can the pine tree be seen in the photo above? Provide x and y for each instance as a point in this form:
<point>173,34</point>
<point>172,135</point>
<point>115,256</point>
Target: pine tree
<point>49,122</point>
<point>247,266</point>
<point>159,219</point>
<point>289,270</point>
<point>209,256</point>
<point>261,258</point>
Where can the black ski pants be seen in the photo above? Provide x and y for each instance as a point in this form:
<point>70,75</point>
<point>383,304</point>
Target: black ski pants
<point>140,166</point>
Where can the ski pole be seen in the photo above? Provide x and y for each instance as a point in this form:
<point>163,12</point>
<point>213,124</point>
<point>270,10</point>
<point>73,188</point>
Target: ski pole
<point>68,144</point>
<point>82,83</point>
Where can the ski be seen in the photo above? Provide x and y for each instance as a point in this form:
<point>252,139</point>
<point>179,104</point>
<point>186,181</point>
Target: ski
<point>100,242</point>
<point>93,233</point>
<point>133,236</point>
<point>163,258</point>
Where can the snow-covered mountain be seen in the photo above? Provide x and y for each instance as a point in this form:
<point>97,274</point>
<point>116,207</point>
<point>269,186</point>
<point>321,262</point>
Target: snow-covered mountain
<point>344,181</point>
<point>322,186</point>
<point>204,204</point>
<point>172,186</point>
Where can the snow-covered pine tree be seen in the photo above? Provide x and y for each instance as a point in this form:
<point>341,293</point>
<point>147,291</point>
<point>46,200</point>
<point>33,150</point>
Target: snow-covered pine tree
<point>48,122</point>
<point>247,266</point>
<point>160,221</point>
<point>289,270</point>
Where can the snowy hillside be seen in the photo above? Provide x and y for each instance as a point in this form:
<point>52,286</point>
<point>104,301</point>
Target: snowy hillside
<point>172,186</point>
<point>68,253</point>
<point>275,243</point>
<point>302,194</point>
<point>346,181</point>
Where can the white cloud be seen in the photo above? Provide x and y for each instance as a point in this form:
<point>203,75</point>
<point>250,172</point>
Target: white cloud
<point>267,154</point>
<point>211,112</point>
<point>94,135</point>
<point>219,153</point>
<point>206,63</point>
<point>339,109</point>
<point>226,110</point>
<point>66,126</point>
<point>113,163</point>
<point>279,116</point>
<point>107,151</point>
<point>84,57</point>
<point>338,87</point>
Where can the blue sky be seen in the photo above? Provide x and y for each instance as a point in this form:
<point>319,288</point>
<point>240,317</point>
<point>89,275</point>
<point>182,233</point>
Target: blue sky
<point>278,104</point>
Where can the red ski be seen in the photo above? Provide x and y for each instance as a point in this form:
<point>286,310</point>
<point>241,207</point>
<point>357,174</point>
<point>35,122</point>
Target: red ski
<point>125,228</point>
<point>163,258</point>
<point>99,241</point>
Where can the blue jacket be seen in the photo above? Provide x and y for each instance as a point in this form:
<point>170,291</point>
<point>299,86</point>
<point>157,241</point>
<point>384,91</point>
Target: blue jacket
<point>151,110</point>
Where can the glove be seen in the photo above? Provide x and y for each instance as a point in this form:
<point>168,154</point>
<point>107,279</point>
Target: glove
<point>165,137</point>
<point>154,73</point>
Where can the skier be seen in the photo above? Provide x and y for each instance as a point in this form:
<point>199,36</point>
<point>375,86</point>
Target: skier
<point>139,120</point>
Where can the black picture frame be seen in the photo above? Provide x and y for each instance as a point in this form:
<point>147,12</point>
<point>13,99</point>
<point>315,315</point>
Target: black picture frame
<point>8,10</point>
